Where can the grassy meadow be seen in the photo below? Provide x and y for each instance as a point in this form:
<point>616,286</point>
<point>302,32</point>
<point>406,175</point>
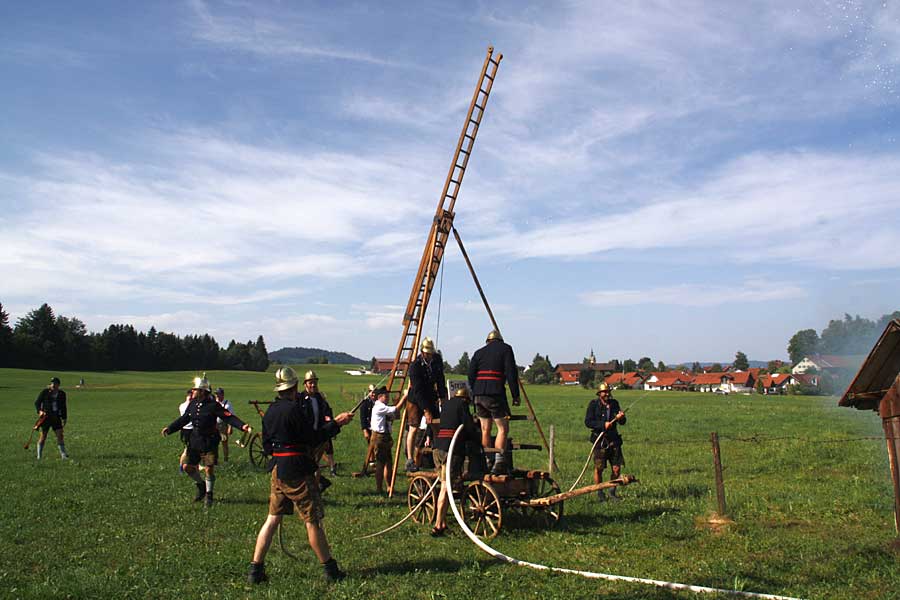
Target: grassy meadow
<point>812,518</point>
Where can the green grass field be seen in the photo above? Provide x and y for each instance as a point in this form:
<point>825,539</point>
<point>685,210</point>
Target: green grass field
<point>811,518</point>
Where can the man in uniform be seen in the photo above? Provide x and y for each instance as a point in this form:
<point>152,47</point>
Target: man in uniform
<point>490,366</point>
<point>602,417</point>
<point>365,423</point>
<point>289,434</point>
<point>51,406</point>
<point>322,412</point>
<point>224,428</point>
<point>454,412</point>
<point>427,387</point>
<point>203,445</point>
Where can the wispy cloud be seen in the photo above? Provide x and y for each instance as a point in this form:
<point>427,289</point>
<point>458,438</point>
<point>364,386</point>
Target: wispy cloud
<point>285,36</point>
<point>698,295</point>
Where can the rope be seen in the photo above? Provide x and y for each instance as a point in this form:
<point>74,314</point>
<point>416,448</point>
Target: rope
<point>281,542</point>
<point>425,497</point>
<point>588,574</point>
<point>437,333</point>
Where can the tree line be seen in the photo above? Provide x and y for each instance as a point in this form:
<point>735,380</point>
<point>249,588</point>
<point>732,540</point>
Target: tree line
<point>847,336</point>
<point>43,340</point>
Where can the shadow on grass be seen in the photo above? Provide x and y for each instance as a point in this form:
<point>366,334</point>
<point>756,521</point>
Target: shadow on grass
<point>433,565</point>
<point>122,456</point>
<point>582,523</point>
<point>678,492</point>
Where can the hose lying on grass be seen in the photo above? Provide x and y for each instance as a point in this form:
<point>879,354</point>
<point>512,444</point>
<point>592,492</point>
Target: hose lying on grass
<point>412,511</point>
<point>589,574</point>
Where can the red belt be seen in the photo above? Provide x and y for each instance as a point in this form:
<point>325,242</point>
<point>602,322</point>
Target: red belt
<point>287,454</point>
<point>446,433</point>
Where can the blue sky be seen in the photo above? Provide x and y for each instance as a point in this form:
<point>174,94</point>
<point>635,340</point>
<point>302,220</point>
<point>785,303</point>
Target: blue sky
<point>674,179</point>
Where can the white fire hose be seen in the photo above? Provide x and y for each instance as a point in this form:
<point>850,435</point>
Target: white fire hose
<point>589,574</point>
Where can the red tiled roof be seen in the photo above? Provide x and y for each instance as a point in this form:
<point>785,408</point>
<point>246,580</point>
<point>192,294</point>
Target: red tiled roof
<point>668,379</point>
<point>711,378</point>
<point>629,379</point>
<point>742,378</point>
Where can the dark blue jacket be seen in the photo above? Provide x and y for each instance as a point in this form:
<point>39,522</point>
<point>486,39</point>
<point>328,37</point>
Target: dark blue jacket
<point>46,403</point>
<point>490,366</point>
<point>596,417</point>
<point>289,436</point>
<point>365,414</point>
<point>202,414</point>
<point>427,382</point>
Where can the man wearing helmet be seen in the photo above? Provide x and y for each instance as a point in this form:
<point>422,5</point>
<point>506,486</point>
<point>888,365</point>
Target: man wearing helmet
<point>224,428</point>
<point>322,414</point>
<point>602,417</point>
<point>454,412</point>
<point>490,366</point>
<point>203,445</point>
<point>427,387</point>
<point>292,432</point>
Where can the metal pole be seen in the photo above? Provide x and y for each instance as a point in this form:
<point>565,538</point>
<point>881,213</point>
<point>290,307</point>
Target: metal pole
<point>720,483</point>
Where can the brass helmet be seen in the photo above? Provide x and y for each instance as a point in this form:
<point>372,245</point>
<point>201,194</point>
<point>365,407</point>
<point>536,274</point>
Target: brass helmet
<point>285,379</point>
<point>428,345</point>
<point>371,387</point>
<point>201,383</point>
<point>310,376</point>
<point>461,393</point>
<point>494,335</point>
<point>603,387</point>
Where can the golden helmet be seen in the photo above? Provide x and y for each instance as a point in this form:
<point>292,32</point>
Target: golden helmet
<point>603,387</point>
<point>428,345</point>
<point>461,393</point>
<point>371,387</point>
<point>285,379</point>
<point>310,376</point>
<point>201,383</point>
<point>494,335</point>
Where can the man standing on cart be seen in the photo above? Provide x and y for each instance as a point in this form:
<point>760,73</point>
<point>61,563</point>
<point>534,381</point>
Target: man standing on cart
<point>427,387</point>
<point>602,418</point>
<point>289,433</point>
<point>203,445</point>
<point>490,366</point>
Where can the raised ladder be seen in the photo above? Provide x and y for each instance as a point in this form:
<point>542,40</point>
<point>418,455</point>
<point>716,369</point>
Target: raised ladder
<point>436,244</point>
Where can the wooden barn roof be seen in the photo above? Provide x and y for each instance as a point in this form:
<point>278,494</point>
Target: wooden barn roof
<point>877,373</point>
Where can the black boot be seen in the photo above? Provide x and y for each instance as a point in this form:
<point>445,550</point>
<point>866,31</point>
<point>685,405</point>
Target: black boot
<point>332,571</point>
<point>257,573</point>
<point>209,499</point>
<point>201,492</point>
<point>324,484</point>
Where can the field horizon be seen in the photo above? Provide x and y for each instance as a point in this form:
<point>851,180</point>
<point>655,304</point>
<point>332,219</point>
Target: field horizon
<point>807,484</point>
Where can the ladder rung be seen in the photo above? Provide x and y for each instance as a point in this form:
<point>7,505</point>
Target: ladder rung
<point>471,137</point>
<point>454,180</point>
<point>474,121</point>
<point>466,152</point>
<point>486,76</point>
<point>479,106</point>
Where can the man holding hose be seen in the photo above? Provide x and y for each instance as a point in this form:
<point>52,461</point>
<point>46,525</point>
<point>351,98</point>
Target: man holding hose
<point>602,418</point>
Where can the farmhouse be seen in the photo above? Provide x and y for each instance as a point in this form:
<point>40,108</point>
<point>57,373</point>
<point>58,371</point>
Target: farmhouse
<point>568,372</point>
<point>827,363</point>
<point>633,380</point>
<point>382,365</point>
<point>774,384</point>
<point>711,382</point>
<point>804,379</point>
<point>670,380</point>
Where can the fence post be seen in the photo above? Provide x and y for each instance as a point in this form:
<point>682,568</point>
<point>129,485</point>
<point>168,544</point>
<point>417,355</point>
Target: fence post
<point>720,483</point>
<point>552,449</point>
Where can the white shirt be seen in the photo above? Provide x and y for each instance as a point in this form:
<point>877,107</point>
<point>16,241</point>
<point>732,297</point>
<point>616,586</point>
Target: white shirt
<point>182,408</point>
<point>382,415</point>
<point>228,407</point>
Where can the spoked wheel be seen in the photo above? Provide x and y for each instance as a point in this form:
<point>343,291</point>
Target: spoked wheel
<point>419,489</point>
<point>482,511</point>
<point>258,456</point>
<point>546,516</point>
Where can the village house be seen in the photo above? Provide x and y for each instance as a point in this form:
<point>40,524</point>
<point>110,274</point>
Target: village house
<point>567,373</point>
<point>711,382</point>
<point>632,380</point>
<point>668,380</point>
<point>827,363</point>
<point>774,384</point>
<point>382,365</point>
<point>804,379</point>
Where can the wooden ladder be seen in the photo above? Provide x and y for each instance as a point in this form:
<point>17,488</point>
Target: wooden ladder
<point>436,244</point>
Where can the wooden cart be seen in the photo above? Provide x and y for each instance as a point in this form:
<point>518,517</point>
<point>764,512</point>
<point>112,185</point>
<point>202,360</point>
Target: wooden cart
<point>259,458</point>
<point>485,501</point>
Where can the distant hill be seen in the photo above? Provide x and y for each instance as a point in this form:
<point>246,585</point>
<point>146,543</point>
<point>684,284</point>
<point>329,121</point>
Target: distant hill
<point>302,355</point>
<point>754,364</point>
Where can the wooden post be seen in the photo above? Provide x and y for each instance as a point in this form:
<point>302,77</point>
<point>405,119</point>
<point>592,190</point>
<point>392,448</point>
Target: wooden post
<point>720,483</point>
<point>889,410</point>
<point>552,448</point>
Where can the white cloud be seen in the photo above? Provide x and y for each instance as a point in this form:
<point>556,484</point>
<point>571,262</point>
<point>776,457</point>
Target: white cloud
<point>701,295</point>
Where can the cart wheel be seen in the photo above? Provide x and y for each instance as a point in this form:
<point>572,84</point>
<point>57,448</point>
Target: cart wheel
<point>482,511</point>
<point>418,489</point>
<point>546,516</point>
<point>258,456</point>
